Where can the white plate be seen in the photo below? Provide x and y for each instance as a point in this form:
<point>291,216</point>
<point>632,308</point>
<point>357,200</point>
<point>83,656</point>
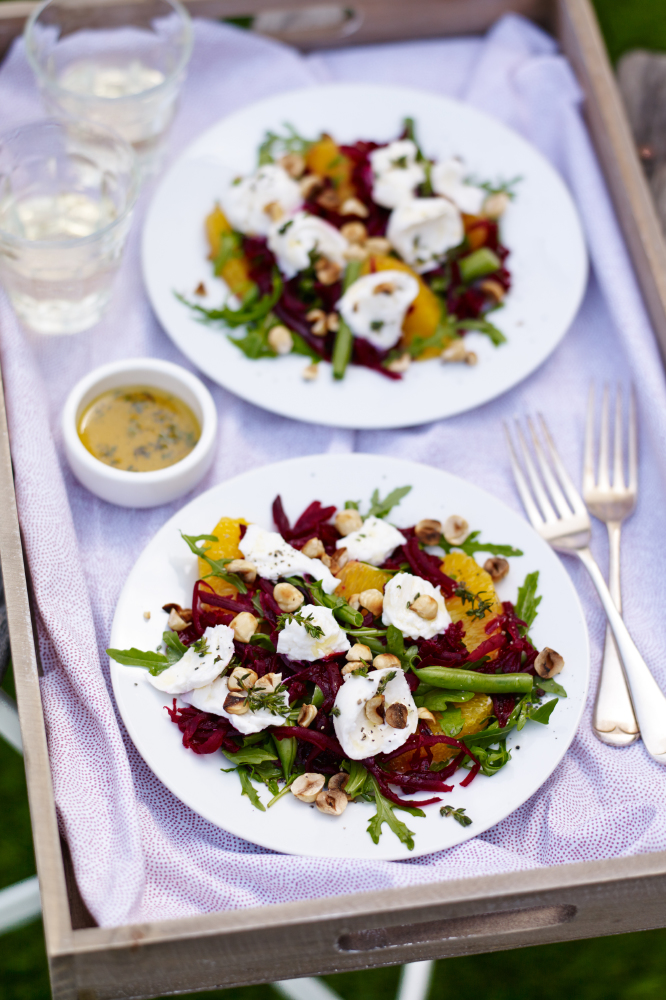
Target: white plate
<point>548,259</point>
<point>166,571</point>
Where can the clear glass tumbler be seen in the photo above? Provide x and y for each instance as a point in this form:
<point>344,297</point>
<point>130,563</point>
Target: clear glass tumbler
<point>121,65</point>
<point>67,190</point>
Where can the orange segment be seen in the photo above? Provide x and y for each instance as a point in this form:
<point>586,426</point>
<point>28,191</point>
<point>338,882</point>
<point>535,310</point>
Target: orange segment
<point>476,712</point>
<point>467,572</point>
<point>227,532</point>
<point>234,271</point>
<point>359,576</point>
<point>324,158</point>
<point>425,311</point>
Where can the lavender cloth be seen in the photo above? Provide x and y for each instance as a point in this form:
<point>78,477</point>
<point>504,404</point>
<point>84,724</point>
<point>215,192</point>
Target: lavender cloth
<point>141,855</point>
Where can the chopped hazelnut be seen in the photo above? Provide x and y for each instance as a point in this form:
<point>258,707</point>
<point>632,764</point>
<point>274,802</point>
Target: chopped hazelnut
<point>200,289</point>
<point>496,205</point>
<point>241,679</point>
<point>308,786</point>
<point>471,358</point>
<point>359,651</point>
<point>244,626</point>
<point>496,567</point>
<point>306,715</point>
<point>351,666</point>
<point>492,288</point>
<point>428,531</point>
<point>176,622</point>
<point>385,660</point>
<point>274,211</point>
<point>427,716</point>
<point>309,184</point>
<point>236,705</point>
<point>337,782</point>
<point>339,559</point>
<point>456,351</point>
<point>287,597</point>
<point>355,252</point>
<point>333,803</point>
<point>294,164</point>
<point>327,271</point>
<point>548,663</point>
<point>310,372</point>
<point>374,709</point>
<point>354,602</point>
<point>268,683</point>
<point>456,529</point>
<point>397,715</point>
<point>347,521</point>
<point>333,322</point>
<point>243,568</point>
<point>378,244</point>
<point>353,206</point>
<point>384,288</point>
<point>280,339</point>
<point>373,600</point>
<point>146,615</point>
<point>401,364</point>
<point>314,548</point>
<point>425,607</point>
<point>329,199</point>
<point>319,321</point>
<point>354,232</point>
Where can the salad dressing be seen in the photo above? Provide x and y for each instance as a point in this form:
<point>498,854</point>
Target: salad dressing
<point>138,428</point>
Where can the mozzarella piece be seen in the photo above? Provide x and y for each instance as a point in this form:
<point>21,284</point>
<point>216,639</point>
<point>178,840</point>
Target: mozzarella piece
<point>295,641</point>
<point>373,543</point>
<point>245,201</point>
<point>293,240</point>
<point>374,306</point>
<point>359,737</point>
<point>423,229</point>
<point>211,699</point>
<point>196,670</point>
<point>447,179</point>
<point>274,558</point>
<point>401,591</point>
<point>396,172</point>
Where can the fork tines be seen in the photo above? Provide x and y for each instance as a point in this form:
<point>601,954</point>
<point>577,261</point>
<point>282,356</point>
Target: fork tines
<point>552,502</point>
<point>619,484</point>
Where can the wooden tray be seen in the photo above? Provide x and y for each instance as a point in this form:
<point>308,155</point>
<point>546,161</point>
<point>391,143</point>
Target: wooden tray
<point>395,925</point>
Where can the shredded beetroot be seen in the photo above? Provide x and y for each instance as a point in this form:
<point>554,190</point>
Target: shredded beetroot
<point>320,740</point>
<point>202,732</point>
<point>503,706</point>
<point>427,567</point>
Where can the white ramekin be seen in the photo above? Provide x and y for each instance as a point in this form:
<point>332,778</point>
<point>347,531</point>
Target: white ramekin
<point>140,489</point>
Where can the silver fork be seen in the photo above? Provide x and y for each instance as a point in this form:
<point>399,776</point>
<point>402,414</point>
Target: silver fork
<point>561,518</point>
<point>613,720</point>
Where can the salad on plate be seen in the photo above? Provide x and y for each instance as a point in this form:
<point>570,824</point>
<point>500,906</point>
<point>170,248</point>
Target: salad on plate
<point>368,254</point>
<point>342,659</point>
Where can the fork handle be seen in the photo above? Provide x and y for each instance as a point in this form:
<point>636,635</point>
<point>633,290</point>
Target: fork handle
<point>613,719</point>
<point>648,700</point>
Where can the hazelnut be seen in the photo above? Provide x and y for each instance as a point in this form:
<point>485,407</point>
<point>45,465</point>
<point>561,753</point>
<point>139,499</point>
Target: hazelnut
<point>310,372</point>
<point>294,164</point>
<point>548,663</point>
<point>384,660</point>
<point>401,364</point>
<point>351,666</point>
<point>308,786</point>
<point>329,199</point>
<point>456,351</point>
<point>318,319</point>
<point>241,679</point>
<point>175,621</point>
<point>374,710</point>
<point>397,715</point>
<point>378,244</point>
<point>200,289</point>
<point>359,651</point>
<point>333,803</point>
<point>496,567</point>
<point>495,205</point>
<point>427,716</point>
<point>355,252</point>
<point>246,570</point>
<point>354,602</point>
<point>337,782</point>
<point>244,626</point>
<point>280,339</point>
<point>146,615</point>
<point>314,548</point>
<point>354,232</point>
<point>268,683</point>
<point>352,206</point>
<point>327,271</point>
<point>492,288</point>
<point>274,211</point>
<point>307,715</point>
<point>456,529</point>
<point>309,184</point>
<point>425,607</point>
<point>373,600</point>
<point>326,559</point>
<point>236,704</point>
<point>287,597</point>
<point>384,288</point>
<point>428,531</point>
<point>471,358</point>
<point>339,559</point>
<point>347,521</point>
<point>333,322</point>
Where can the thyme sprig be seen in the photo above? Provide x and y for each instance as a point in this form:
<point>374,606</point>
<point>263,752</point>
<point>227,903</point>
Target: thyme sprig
<point>458,815</point>
<point>307,621</point>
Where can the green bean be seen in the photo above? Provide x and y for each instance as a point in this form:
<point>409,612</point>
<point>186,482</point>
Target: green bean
<point>467,680</point>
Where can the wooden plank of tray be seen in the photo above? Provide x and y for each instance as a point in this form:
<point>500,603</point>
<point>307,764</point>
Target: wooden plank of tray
<point>367,929</point>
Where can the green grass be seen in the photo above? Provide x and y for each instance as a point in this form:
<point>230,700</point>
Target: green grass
<point>629,967</point>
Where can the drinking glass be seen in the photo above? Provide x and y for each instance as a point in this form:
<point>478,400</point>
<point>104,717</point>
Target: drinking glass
<point>67,190</point>
<point>121,65</point>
